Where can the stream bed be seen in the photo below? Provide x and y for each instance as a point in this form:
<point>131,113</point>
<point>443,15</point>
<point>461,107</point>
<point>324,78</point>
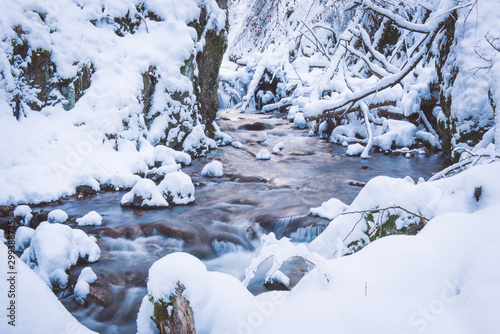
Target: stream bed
<point>224,225</point>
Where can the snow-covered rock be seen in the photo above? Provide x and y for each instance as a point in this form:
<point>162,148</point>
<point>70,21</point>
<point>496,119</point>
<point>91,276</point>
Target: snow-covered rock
<point>278,147</point>
<point>263,155</point>
<point>23,238</point>
<point>330,209</point>
<point>145,193</point>
<point>87,276</point>
<point>354,149</point>
<point>236,144</point>
<point>177,188</point>
<point>24,212</point>
<point>57,216</point>
<point>91,218</point>
<point>395,133</point>
<point>299,121</point>
<point>55,248</point>
<point>213,169</point>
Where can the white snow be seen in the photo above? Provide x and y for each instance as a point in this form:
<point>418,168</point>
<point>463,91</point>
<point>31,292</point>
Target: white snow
<point>36,301</point>
<point>236,144</point>
<point>24,212</point>
<point>55,248</point>
<point>145,191</point>
<point>330,209</point>
<point>57,216</point>
<point>213,169</point>
<point>299,120</point>
<point>278,147</point>
<point>354,149</point>
<point>91,218</point>
<point>178,188</point>
<point>263,155</point>
<point>23,238</point>
<point>87,276</point>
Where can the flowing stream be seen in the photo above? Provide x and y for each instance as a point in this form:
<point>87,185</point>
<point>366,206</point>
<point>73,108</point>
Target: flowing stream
<point>230,213</point>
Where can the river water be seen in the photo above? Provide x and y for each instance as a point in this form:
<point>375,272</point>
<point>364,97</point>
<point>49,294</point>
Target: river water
<point>230,213</point>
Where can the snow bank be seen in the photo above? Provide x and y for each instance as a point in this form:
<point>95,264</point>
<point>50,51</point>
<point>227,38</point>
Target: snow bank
<point>82,288</point>
<point>213,169</point>
<point>55,248</point>
<point>34,300</point>
<point>91,218</point>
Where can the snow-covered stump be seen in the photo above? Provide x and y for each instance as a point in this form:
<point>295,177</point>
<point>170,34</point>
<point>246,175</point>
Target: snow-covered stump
<point>176,316</point>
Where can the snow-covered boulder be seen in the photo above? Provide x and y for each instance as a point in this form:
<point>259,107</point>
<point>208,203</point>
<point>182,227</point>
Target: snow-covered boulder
<point>91,218</point>
<point>177,188</point>
<point>236,144</point>
<point>82,288</point>
<point>354,149</point>
<point>263,155</point>
<point>57,216</point>
<point>55,248</point>
<point>330,209</point>
<point>145,193</point>
<point>299,120</point>
<point>278,147</point>
<point>213,169</point>
<point>395,134</point>
<point>24,213</point>
<point>23,238</point>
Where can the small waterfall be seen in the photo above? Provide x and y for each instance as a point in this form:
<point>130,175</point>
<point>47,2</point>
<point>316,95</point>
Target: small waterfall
<point>281,224</point>
<point>224,247</point>
<point>307,234</point>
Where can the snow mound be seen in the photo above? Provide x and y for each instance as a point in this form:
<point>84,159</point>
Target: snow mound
<point>299,120</point>
<point>177,188</point>
<point>23,238</point>
<point>330,209</point>
<point>278,147</point>
<point>55,248</point>
<point>236,144</point>
<point>144,194</point>
<point>213,169</point>
<point>57,216</point>
<point>91,218</point>
<point>395,133</point>
<point>36,300</point>
<point>82,289</point>
<point>263,155</point>
<point>354,149</point>
<point>24,212</point>
<point>202,288</point>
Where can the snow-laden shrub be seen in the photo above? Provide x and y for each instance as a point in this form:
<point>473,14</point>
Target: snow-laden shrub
<point>54,248</point>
